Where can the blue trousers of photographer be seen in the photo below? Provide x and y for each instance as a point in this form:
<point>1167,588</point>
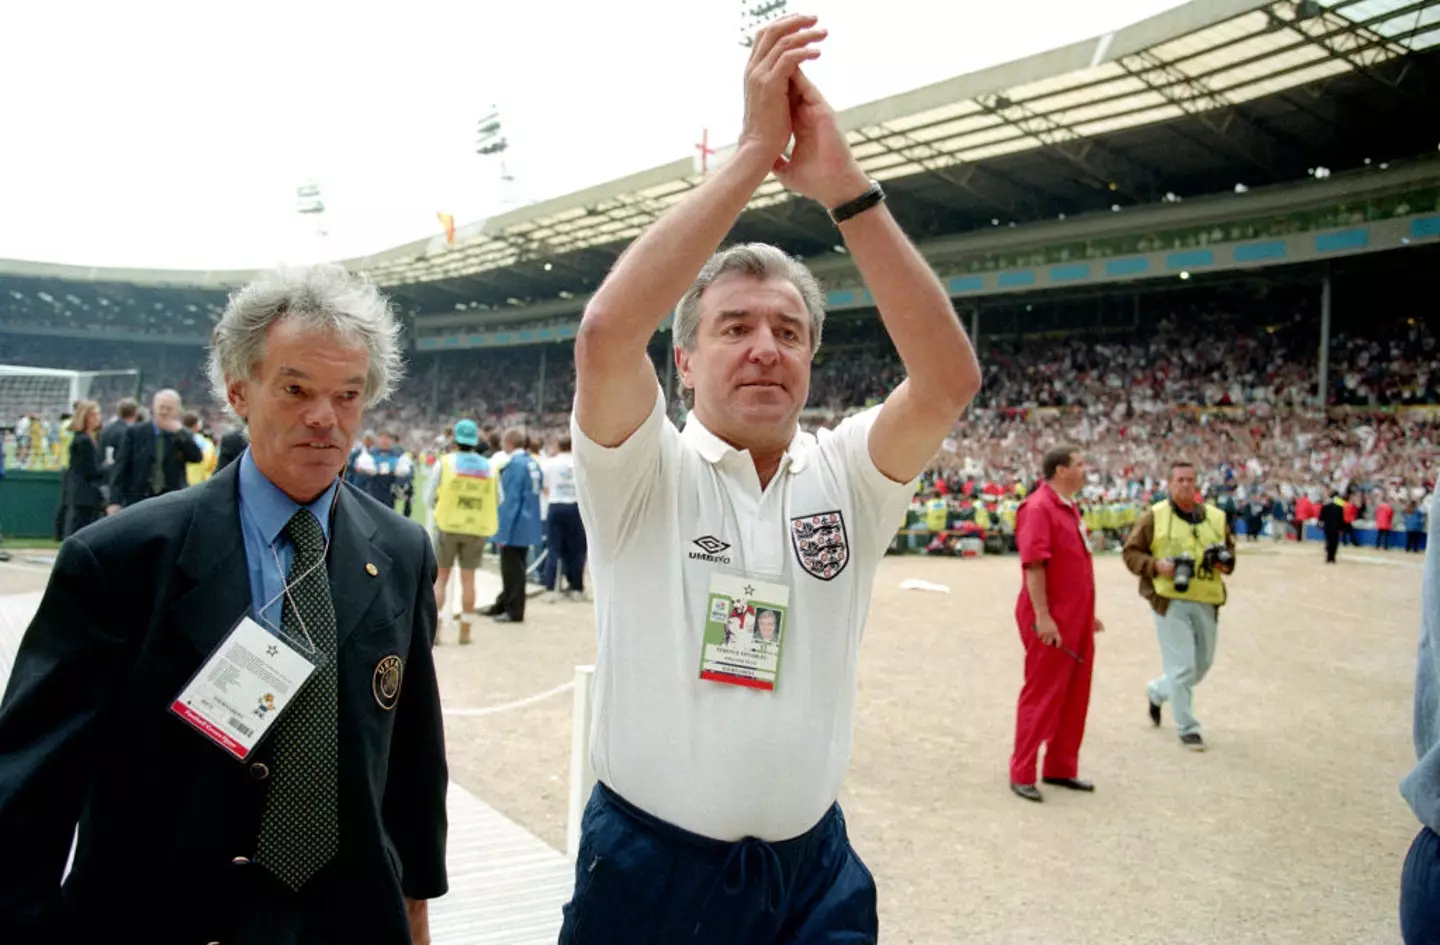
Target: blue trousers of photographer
<point>640,879</point>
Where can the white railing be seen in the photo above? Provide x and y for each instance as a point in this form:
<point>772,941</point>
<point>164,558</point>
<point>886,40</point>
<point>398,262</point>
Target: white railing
<point>582,778</point>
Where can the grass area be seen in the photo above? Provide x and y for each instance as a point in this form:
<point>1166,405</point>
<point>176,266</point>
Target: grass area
<point>417,511</point>
<point>29,544</point>
<point>417,514</point>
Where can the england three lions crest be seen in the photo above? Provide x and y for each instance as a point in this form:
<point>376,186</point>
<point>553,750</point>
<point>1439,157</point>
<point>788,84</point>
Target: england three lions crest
<point>820,543</point>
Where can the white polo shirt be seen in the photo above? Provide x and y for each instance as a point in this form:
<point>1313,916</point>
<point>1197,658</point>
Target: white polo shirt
<point>663,512</point>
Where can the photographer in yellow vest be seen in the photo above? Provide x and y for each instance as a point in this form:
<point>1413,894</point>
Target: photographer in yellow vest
<point>1180,548</point>
<point>463,490</point>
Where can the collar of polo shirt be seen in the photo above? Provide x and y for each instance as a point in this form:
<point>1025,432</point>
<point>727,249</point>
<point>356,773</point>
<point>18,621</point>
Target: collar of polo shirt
<point>714,450</point>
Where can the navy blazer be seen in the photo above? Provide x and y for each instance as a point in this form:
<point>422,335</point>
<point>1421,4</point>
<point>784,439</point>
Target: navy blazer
<point>168,821</point>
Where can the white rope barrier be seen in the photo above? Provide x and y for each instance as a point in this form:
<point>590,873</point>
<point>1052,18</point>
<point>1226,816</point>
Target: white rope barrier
<point>508,706</point>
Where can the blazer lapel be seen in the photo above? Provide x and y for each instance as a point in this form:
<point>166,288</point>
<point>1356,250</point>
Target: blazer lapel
<point>353,558</point>
<point>212,558</point>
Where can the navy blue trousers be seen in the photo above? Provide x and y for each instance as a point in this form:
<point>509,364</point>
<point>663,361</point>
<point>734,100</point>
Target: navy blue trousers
<point>1420,891</point>
<point>564,546</point>
<point>641,880</point>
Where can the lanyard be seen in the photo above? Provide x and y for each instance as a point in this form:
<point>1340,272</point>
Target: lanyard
<point>1194,526</point>
<point>285,593</point>
<point>286,585</point>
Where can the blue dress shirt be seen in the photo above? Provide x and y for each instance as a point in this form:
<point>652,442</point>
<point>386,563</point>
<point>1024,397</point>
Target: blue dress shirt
<point>264,513</point>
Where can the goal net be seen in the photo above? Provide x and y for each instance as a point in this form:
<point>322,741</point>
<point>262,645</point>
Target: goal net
<point>32,401</point>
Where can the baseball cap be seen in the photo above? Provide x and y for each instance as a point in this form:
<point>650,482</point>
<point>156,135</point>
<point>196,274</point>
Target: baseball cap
<point>467,433</point>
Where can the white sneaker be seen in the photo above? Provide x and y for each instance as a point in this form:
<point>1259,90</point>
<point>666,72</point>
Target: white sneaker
<point>551,597</point>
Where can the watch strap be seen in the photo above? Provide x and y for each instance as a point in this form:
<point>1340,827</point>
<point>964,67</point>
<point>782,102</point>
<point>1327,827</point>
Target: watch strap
<point>859,205</point>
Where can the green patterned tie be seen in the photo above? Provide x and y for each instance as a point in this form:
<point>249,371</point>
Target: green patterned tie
<point>300,830</point>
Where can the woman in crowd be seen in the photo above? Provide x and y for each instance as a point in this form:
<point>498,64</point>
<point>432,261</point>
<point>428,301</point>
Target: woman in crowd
<point>84,500</point>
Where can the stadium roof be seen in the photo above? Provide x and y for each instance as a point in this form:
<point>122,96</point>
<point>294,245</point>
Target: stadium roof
<point>1182,103</point>
<point>1206,56</point>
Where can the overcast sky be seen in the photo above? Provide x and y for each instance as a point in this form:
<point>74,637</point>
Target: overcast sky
<point>173,135</point>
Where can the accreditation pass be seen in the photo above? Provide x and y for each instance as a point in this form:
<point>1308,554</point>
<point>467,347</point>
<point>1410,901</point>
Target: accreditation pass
<point>243,687</point>
<point>745,632</point>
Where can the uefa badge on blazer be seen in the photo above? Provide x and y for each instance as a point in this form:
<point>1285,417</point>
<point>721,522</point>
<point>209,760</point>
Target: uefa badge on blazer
<point>820,543</point>
<point>386,685</point>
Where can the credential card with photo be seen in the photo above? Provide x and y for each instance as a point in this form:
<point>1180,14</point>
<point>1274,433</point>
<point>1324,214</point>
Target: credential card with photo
<point>745,626</point>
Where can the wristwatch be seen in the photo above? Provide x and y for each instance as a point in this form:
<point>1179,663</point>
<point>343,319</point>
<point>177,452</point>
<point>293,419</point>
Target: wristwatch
<point>859,205</point>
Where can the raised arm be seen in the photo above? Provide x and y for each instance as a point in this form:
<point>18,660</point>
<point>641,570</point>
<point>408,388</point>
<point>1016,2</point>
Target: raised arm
<point>615,383</point>
<point>942,371</point>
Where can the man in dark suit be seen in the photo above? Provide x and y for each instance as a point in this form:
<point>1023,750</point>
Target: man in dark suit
<point>153,455</point>
<point>232,445</point>
<point>1332,520</point>
<point>126,412</point>
<point>330,829</point>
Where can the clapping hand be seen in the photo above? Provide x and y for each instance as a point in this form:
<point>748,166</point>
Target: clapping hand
<point>775,59</point>
<point>821,165</point>
<point>781,102</point>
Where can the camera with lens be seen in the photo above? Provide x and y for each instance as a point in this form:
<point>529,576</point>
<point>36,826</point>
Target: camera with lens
<point>1184,571</point>
<point>1216,554</point>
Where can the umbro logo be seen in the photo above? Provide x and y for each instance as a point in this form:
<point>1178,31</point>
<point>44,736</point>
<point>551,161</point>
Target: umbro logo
<point>711,549</point>
<point>710,545</point>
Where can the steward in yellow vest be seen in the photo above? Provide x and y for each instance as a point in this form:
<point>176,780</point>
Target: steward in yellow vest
<point>62,448</point>
<point>196,473</point>
<point>1009,510</point>
<point>937,515</point>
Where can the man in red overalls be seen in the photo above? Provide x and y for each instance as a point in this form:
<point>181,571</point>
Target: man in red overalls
<point>1056,617</point>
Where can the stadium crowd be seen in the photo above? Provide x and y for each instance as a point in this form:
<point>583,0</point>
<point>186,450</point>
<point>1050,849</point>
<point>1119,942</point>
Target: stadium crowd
<point>1239,399</point>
